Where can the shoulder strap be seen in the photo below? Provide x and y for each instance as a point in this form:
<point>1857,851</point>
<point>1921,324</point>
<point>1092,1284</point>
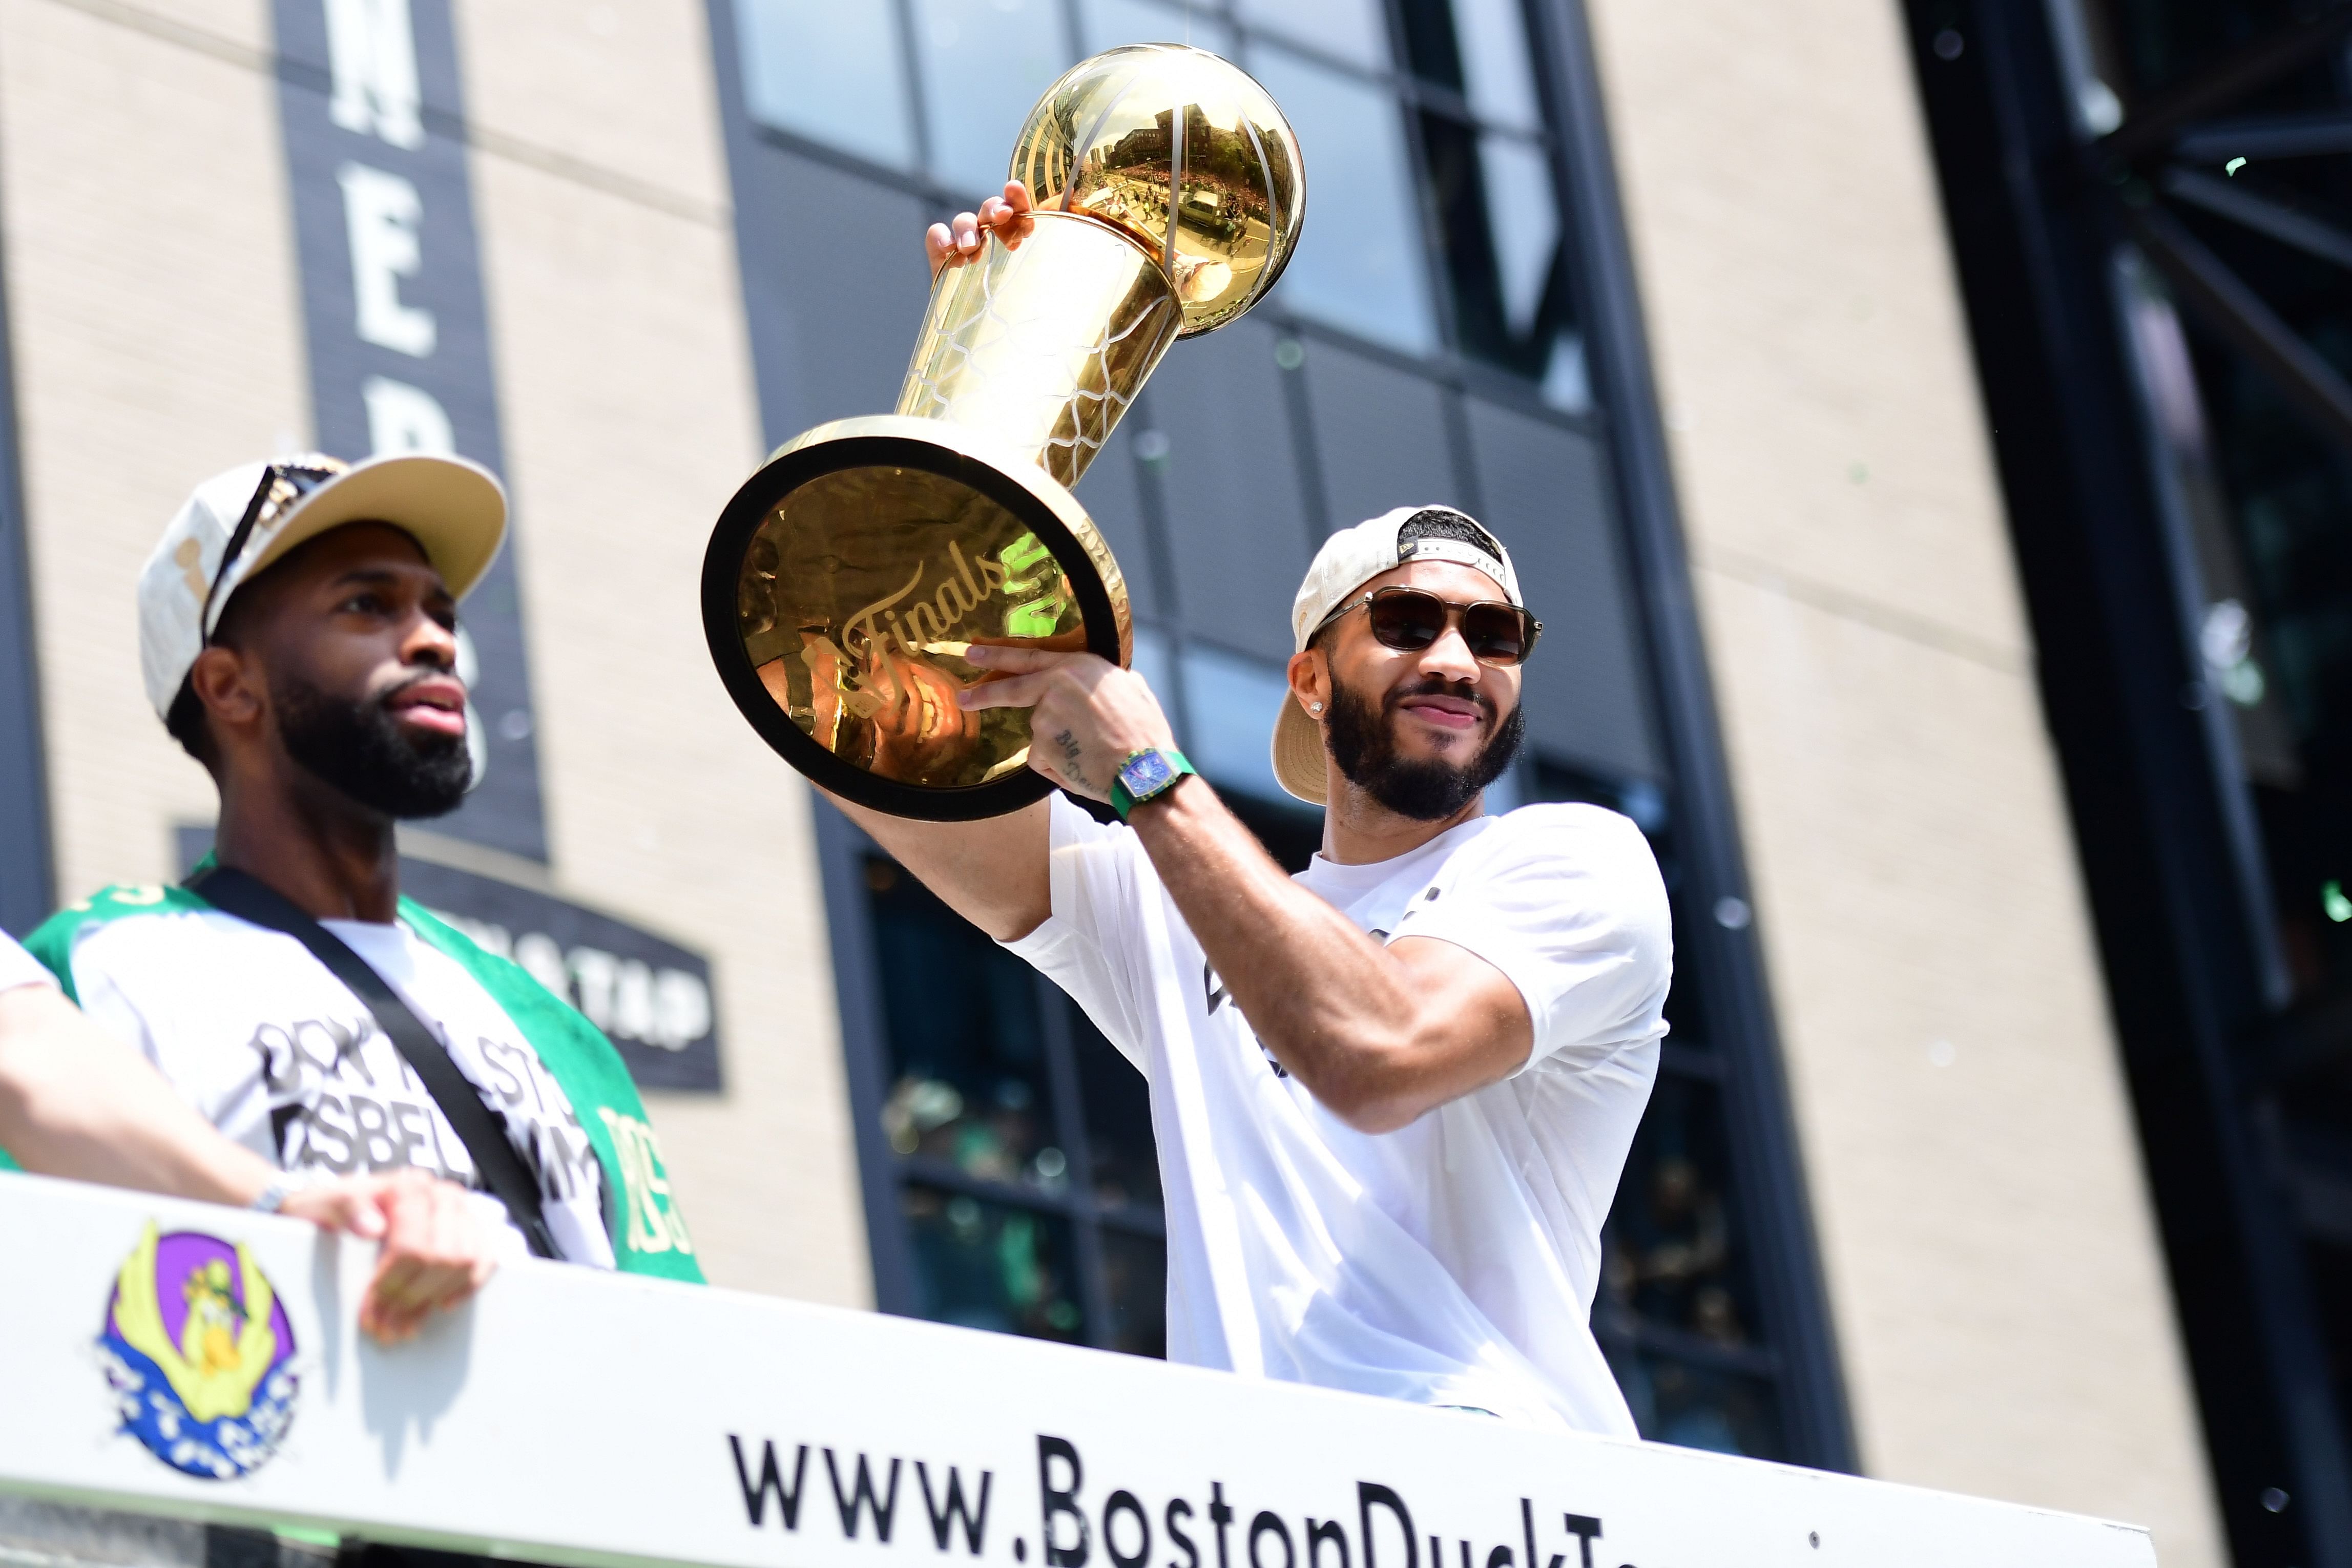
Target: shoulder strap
<point>248,898</point>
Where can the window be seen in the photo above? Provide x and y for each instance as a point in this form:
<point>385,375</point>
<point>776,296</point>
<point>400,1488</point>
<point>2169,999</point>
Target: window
<point>1022,1162</point>
<point>1433,216</point>
<point>831,73</point>
<point>984,63</point>
<point>1679,1313</point>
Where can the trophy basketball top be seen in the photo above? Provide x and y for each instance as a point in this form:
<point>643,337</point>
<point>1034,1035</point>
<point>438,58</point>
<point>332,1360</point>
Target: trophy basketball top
<point>1216,202</point>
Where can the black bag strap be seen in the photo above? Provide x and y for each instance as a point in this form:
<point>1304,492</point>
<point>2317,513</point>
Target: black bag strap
<point>248,898</point>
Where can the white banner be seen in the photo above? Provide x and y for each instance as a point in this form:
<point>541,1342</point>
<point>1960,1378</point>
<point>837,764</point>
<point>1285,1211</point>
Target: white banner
<point>187,1359</point>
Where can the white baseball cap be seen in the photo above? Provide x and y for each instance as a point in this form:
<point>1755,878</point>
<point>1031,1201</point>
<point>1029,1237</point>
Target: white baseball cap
<point>1349,559</point>
<point>455,510</point>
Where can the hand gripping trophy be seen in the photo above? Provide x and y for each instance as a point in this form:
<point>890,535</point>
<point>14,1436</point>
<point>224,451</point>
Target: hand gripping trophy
<point>849,575</point>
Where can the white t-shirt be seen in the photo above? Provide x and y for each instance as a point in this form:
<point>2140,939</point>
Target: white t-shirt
<point>1453,1261</point>
<point>275,1052</point>
<point>18,968</point>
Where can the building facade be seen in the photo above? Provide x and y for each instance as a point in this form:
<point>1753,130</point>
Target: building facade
<point>1664,295</point>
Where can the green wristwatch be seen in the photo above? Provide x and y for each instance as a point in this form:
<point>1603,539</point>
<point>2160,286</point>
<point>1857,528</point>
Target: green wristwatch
<point>1146,775</point>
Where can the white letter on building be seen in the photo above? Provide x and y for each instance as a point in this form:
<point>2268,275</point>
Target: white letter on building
<point>372,52</point>
<point>381,213</point>
<point>403,418</point>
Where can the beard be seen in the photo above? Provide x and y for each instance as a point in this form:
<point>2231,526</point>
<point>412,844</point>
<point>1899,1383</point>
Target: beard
<point>1427,789</point>
<point>355,747</point>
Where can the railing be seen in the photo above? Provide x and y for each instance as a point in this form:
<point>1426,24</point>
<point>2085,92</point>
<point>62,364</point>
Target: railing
<point>198,1362</point>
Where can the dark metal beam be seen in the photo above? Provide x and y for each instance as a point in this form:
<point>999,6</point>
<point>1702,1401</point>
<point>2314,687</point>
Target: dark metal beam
<point>2266,136</point>
<point>2243,204</point>
<point>2155,124</point>
<point>2223,302</point>
<point>27,892</point>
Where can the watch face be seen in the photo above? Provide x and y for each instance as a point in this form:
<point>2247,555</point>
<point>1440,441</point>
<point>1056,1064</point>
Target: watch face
<point>1144,774</point>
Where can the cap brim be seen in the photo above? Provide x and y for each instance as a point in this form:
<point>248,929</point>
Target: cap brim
<point>455,510</point>
<point>1298,754</point>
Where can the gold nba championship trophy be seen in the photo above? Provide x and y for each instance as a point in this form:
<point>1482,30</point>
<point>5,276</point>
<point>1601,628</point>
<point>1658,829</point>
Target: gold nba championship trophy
<point>852,572</point>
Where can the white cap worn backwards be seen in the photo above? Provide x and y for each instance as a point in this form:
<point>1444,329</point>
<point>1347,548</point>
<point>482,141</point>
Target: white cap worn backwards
<point>455,510</point>
<point>1349,559</point>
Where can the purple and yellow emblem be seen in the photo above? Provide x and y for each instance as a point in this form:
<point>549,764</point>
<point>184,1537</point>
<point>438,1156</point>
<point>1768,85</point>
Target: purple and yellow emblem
<point>199,1352</point>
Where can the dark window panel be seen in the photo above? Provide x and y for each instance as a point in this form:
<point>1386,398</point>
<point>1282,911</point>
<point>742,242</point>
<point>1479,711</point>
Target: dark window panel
<point>1117,1108</point>
<point>1379,437</point>
<point>1501,233</point>
<point>1693,1406</point>
<point>968,1078</point>
<point>992,1265</point>
<point>1135,1270</point>
<point>1231,489</point>
<point>1676,1258</point>
<point>834,310</point>
<point>1547,496</point>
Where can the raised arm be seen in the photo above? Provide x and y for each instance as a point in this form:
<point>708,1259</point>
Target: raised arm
<point>1379,1032</point>
<point>992,873</point>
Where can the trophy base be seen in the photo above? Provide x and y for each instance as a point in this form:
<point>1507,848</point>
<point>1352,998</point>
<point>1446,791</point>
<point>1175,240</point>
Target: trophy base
<point>848,577</point>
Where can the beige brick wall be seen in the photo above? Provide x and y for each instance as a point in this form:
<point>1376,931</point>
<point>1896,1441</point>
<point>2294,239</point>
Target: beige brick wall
<point>153,309</point>
<point>151,293</point>
<point>1998,1287</point>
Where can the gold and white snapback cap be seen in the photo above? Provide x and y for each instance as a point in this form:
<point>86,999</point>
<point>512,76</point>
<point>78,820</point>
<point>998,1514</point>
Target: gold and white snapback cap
<point>1349,559</point>
<point>455,510</point>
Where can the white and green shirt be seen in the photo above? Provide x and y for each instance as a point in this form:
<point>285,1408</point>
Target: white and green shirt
<point>275,1052</point>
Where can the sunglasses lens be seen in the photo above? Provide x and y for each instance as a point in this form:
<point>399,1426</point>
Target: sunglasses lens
<point>1407,621</point>
<point>1497,634</point>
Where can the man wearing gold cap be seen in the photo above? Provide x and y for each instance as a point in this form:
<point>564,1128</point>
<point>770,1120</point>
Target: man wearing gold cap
<point>1394,1094</point>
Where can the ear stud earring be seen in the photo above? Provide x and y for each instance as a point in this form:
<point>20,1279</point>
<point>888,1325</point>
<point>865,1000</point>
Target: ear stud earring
<point>1314,707</point>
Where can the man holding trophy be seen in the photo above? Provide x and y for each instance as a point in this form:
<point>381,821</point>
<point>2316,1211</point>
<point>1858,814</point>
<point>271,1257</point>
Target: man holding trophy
<point>1394,1094</point>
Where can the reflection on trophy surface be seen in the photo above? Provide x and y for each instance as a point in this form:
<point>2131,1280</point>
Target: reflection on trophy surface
<point>850,574</point>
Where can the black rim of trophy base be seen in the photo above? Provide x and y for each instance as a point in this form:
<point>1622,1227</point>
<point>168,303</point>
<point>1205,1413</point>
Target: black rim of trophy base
<point>722,571</point>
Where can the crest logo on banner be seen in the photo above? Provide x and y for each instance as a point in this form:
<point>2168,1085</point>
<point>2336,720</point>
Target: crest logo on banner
<point>199,1352</point>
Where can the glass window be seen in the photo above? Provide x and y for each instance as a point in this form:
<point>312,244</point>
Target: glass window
<point>991,1266</point>
<point>1358,264</point>
<point>1479,49</point>
<point>1020,1137</point>
<point>1135,1270</point>
<point>1117,1105</point>
<point>1696,1406</point>
<point>1679,1314</point>
<point>968,1076</point>
<point>1353,30</point>
<point>1109,22</point>
<point>1523,217</point>
<point>833,73</point>
<point>984,64</point>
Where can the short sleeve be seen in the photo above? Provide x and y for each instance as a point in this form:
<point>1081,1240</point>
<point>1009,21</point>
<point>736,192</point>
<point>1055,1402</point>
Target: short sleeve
<point>1100,877</point>
<point>18,968</point>
<point>1566,902</point>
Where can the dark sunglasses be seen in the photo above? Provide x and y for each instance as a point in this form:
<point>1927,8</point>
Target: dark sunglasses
<point>1410,619</point>
<point>282,483</point>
